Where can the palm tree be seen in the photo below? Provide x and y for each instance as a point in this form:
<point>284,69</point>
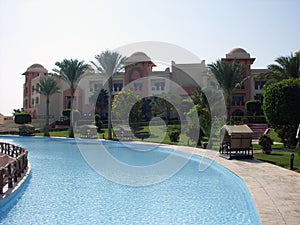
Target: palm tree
<point>47,86</point>
<point>286,67</point>
<point>71,71</point>
<point>109,63</point>
<point>229,76</point>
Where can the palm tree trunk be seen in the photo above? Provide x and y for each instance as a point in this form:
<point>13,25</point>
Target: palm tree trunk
<point>109,108</point>
<point>71,130</point>
<point>228,108</point>
<point>46,133</point>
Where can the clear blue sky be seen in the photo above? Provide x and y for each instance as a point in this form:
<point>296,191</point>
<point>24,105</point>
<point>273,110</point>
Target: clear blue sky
<point>41,31</point>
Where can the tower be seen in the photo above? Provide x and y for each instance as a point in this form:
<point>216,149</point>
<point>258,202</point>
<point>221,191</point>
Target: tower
<point>242,94</point>
<point>137,66</point>
<point>30,96</point>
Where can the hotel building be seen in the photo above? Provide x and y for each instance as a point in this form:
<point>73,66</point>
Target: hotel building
<point>139,76</point>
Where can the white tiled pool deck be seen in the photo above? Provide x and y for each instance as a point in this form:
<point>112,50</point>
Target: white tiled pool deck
<point>275,190</point>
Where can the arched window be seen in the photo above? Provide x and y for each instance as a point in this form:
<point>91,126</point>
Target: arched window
<point>37,100</point>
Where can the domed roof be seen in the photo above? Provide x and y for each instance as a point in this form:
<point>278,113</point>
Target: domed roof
<point>137,57</point>
<point>37,68</point>
<point>237,53</point>
<point>237,50</point>
<point>36,65</point>
<point>297,52</point>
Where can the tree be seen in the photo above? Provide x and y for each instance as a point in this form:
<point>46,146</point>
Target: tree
<point>101,100</point>
<point>196,131</point>
<point>229,76</point>
<point>281,107</point>
<point>109,63</point>
<point>199,97</point>
<point>285,67</point>
<point>71,71</point>
<point>47,86</point>
<point>122,108</point>
<point>166,104</point>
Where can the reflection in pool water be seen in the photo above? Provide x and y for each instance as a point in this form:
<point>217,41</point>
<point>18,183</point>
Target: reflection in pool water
<point>63,189</point>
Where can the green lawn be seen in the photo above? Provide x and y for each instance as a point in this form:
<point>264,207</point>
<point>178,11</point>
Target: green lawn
<point>63,133</point>
<point>157,134</point>
<point>275,146</point>
<point>280,159</point>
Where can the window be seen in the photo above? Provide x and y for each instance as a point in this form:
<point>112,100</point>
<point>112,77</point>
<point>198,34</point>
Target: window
<point>138,86</point>
<point>259,85</point>
<point>36,100</point>
<point>32,102</point>
<point>32,89</point>
<point>158,85</point>
<point>238,100</point>
<point>118,87</point>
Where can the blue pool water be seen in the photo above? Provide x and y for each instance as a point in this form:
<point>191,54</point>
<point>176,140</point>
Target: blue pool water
<point>63,189</point>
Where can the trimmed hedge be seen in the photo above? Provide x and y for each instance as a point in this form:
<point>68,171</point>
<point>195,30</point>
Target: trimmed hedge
<point>249,119</point>
<point>22,118</point>
<point>282,102</point>
<point>281,106</point>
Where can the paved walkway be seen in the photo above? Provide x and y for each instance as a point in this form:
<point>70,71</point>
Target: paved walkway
<point>275,190</point>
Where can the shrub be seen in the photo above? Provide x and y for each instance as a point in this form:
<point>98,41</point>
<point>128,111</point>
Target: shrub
<point>67,113</point>
<point>26,130</point>
<point>174,136</point>
<point>98,122</point>
<point>266,143</point>
<point>63,122</point>
<point>281,106</point>
<point>22,118</point>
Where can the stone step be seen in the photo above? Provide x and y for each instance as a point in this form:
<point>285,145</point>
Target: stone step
<point>258,129</point>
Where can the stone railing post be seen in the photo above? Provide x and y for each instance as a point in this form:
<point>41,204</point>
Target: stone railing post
<point>10,181</point>
<point>1,181</point>
<point>15,173</point>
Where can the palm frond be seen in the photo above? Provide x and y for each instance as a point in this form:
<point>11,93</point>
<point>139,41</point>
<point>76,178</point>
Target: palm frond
<point>71,70</point>
<point>109,62</point>
<point>285,67</point>
<point>47,86</point>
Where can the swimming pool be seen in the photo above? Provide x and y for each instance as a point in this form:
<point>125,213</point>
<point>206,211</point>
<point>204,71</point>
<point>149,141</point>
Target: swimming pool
<point>63,189</point>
